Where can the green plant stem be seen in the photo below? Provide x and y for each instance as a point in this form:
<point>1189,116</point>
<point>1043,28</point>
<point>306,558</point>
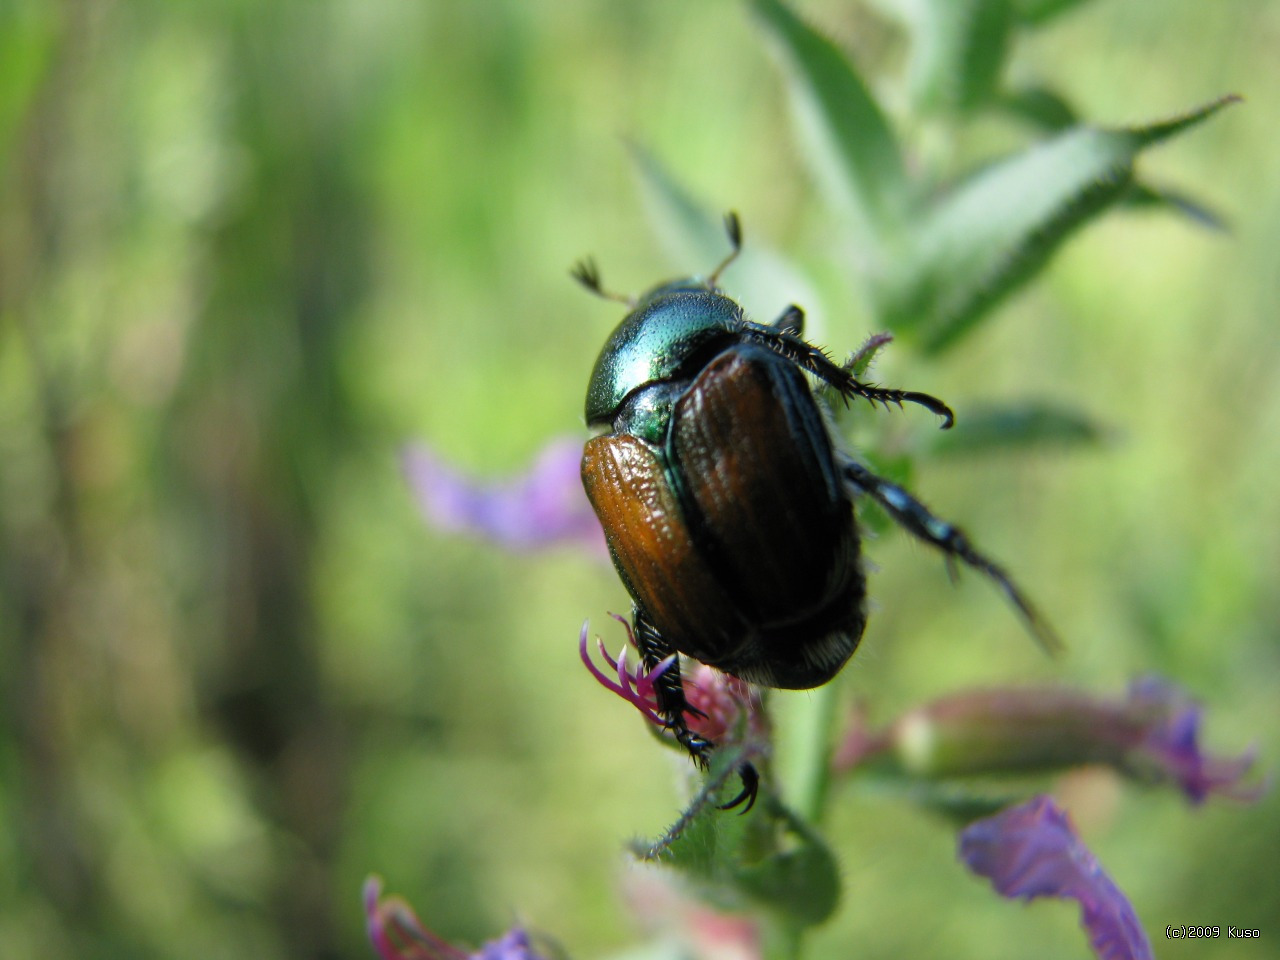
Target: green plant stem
<point>807,752</point>
<point>783,941</point>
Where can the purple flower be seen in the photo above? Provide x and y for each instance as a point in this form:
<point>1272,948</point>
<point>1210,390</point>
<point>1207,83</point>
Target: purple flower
<point>542,507</point>
<point>1152,735</point>
<point>1170,746</point>
<point>397,934</point>
<point>639,688</point>
<point>1032,850</point>
<point>717,701</point>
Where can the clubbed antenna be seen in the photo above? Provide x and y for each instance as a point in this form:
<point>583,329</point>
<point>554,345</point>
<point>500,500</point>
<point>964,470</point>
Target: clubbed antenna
<point>732,227</point>
<point>588,274</point>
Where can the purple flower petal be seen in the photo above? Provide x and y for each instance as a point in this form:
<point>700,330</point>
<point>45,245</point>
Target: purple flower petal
<point>397,934</point>
<point>1171,745</point>
<point>715,700</point>
<point>638,688</point>
<point>542,507</point>
<point>1032,850</point>
<point>513,946</point>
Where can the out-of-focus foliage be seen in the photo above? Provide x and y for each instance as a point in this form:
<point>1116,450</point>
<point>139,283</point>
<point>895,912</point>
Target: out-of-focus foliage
<point>248,250</point>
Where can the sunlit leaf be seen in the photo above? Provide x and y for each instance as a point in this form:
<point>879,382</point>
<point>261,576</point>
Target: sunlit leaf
<point>846,137</point>
<point>958,49</point>
<point>1048,112</point>
<point>994,231</point>
<point>694,234</point>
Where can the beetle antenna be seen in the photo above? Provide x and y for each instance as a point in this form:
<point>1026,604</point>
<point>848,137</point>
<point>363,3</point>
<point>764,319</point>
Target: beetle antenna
<point>588,274</point>
<point>732,227</point>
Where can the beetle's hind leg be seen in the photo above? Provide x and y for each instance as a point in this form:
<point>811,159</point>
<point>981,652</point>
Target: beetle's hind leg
<point>916,518</point>
<point>674,706</point>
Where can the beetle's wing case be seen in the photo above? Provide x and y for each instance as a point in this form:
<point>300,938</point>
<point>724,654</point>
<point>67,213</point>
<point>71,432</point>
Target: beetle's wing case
<point>752,462</point>
<point>652,547</point>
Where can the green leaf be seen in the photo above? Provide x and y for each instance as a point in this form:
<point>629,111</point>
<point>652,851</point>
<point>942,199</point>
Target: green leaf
<point>800,883</point>
<point>707,843</point>
<point>960,804</point>
<point>958,50</point>
<point>846,137</point>
<point>1037,12</point>
<point>993,232</point>
<point>1016,427</point>
<point>1144,195</point>
<point>768,857</point>
<point>959,801</point>
<point>695,235</point>
<point>1048,112</point>
<point>1042,108</point>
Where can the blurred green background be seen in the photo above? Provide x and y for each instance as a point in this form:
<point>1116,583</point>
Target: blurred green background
<point>248,250</point>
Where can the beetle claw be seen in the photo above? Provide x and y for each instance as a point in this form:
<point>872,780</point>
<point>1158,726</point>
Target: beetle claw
<point>750,788</point>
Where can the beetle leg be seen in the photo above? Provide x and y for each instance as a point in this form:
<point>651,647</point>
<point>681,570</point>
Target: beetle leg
<point>915,517</point>
<point>790,321</point>
<point>672,704</point>
<point>778,338</point>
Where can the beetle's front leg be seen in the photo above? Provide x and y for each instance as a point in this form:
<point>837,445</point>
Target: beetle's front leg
<point>915,517</point>
<point>791,321</point>
<point>782,336</point>
<point>673,705</point>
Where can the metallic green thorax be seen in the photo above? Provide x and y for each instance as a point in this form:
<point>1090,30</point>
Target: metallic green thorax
<point>671,324</point>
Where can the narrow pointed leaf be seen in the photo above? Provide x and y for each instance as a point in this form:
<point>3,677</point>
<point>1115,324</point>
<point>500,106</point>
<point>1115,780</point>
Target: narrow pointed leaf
<point>1145,195</point>
<point>847,138</point>
<point>695,236</point>
<point>1020,427</point>
<point>958,802</point>
<point>1045,110</point>
<point>1048,112</point>
<point>996,230</point>
<point>958,49</point>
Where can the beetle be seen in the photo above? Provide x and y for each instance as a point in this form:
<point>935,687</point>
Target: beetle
<point>726,502</point>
